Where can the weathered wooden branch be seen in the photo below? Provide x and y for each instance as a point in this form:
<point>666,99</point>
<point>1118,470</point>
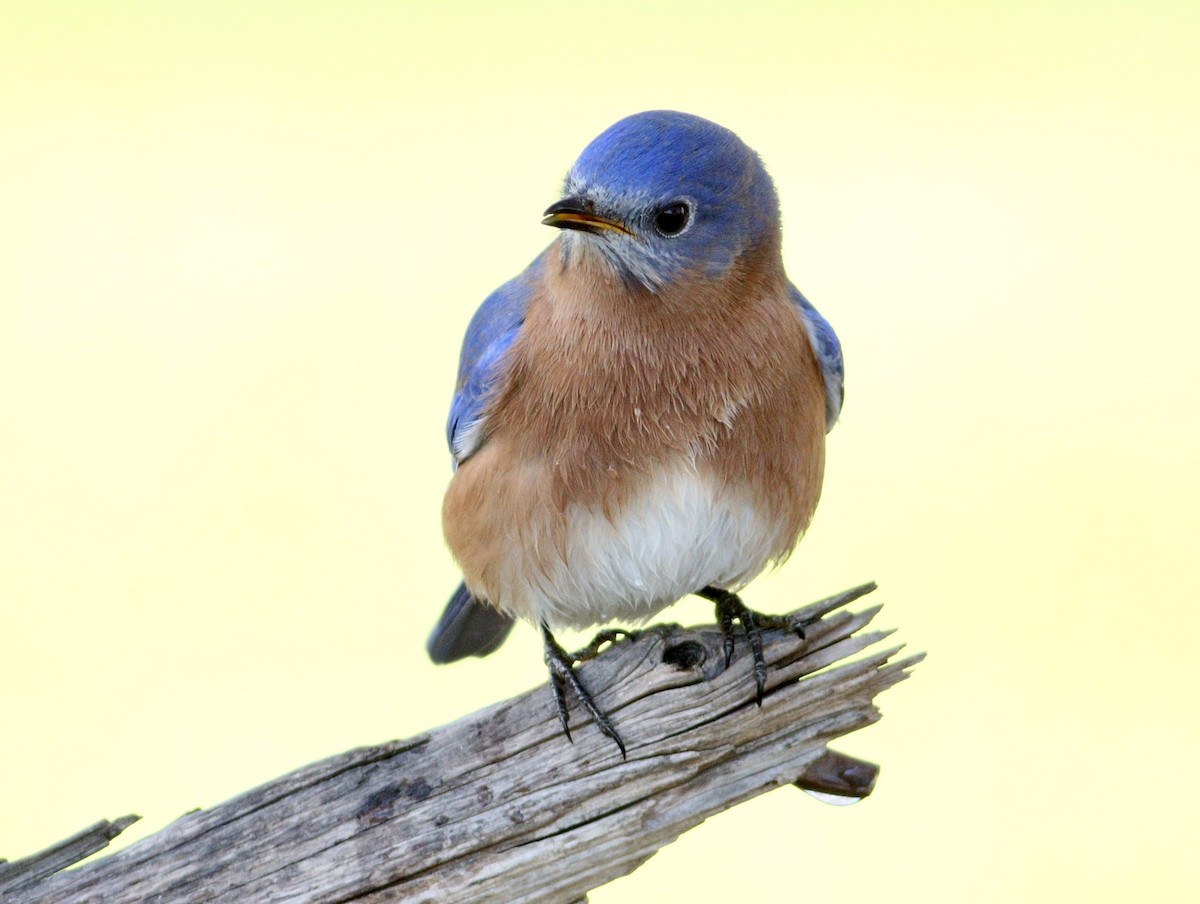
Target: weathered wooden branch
<point>498,807</point>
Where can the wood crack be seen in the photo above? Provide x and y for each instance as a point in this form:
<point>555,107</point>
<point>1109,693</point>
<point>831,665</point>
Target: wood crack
<point>498,807</point>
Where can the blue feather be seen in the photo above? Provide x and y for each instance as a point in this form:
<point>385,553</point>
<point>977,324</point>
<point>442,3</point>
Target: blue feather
<point>491,333</point>
<point>661,157</point>
<point>829,354</point>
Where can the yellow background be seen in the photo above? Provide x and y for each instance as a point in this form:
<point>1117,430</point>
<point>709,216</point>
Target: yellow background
<point>239,245</point>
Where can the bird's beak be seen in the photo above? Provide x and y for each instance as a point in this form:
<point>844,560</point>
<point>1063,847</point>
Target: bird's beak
<point>575,213</point>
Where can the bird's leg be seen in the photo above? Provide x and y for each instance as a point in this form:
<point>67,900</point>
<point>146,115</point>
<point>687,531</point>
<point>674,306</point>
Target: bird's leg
<point>731,607</point>
<point>562,673</point>
<point>608,635</point>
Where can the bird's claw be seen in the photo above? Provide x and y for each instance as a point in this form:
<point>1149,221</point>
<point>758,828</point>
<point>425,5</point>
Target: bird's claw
<point>730,608</point>
<point>607,636</point>
<point>562,672</point>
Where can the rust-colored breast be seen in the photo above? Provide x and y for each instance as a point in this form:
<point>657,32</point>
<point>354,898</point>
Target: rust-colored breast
<point>607,386</point>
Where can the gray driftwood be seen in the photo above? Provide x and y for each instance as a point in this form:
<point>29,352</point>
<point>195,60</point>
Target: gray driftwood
<point>498,806</point>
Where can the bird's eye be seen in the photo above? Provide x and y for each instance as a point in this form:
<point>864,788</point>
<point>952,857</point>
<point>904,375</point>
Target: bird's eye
<point>672,219</point>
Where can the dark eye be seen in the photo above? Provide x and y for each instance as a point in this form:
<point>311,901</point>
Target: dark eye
<point>672,219</point>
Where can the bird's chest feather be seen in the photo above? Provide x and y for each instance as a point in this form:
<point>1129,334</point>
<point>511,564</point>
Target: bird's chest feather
<point>679,530</point>
<point>603,392</point>
<point>629,463</point>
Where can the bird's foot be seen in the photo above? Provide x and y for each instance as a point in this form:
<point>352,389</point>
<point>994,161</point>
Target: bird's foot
<point>562,672</point>
<point>607,636</point>
<point>730,608</point>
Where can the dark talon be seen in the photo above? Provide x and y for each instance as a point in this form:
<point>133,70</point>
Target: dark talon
<point>731,607</point>
<point>754,634</point>
<point>608,635</point>
<point>562,671</point>
<point>725,615</point>
<point>556,683</point>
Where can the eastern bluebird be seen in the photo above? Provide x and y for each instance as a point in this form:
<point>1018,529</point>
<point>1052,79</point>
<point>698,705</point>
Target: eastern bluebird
<point>640,414</point>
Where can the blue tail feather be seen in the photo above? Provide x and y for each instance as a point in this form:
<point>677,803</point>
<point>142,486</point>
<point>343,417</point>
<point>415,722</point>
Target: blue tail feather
<point>468,627</point>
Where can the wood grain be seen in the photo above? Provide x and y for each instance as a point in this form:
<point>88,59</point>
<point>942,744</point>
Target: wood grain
<point>498,806</point>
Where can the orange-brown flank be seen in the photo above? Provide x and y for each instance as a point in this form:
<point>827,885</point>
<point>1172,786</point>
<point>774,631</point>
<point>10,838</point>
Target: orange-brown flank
<point>608,389</point>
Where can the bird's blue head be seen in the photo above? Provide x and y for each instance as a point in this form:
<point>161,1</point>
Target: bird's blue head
<point>661,194</point>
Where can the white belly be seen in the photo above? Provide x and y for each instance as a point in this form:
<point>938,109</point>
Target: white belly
<point>681,532</point>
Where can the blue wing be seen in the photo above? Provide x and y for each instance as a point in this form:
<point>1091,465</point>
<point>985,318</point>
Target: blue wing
<point>470,626</point>
<point>829,354</point>
<point>491,333</point>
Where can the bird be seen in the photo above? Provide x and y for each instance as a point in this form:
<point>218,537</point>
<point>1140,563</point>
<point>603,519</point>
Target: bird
<point>640,414</point>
